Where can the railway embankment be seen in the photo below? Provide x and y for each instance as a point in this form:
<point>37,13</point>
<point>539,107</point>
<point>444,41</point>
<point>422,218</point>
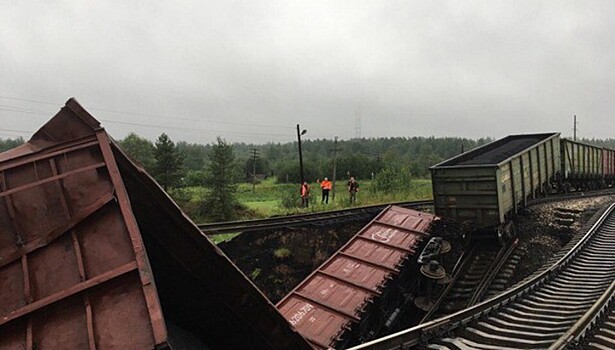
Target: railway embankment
<point>546,228</point>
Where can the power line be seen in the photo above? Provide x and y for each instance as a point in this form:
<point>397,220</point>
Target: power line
<point>28,100</point>
<point>190,130</point>
<point>18,131</point>
<point>160,116</point>
<point>187,129</point>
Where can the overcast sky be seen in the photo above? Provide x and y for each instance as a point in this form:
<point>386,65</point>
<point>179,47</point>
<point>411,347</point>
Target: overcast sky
<point>251,70</point>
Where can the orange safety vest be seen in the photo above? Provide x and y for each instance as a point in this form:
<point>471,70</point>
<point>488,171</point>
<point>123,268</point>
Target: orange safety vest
<point>305,191</point>
<point>325,185</point>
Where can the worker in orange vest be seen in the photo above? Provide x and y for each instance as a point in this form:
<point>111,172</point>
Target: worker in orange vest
<point>305,194</point>
<point>325,185</point>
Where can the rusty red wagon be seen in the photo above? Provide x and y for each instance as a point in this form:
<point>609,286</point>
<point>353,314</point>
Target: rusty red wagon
<point>331,307</point>
<point>94,255</point>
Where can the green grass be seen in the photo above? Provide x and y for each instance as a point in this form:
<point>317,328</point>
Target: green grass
<point>223,237</point>
<point>269,197</point>
<point>263,206</point>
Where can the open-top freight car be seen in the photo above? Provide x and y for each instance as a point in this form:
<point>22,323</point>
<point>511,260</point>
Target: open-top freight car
<point>485,185</point>
<point>585,167</point>
<point>94,255</point>
<point>359,291</point>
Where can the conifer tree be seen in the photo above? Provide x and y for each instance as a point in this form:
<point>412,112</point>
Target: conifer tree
<point>168,168</point>
<point>221,179</point>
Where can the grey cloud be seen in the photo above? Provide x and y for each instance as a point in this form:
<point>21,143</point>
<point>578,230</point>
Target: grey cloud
<point>469,68</point>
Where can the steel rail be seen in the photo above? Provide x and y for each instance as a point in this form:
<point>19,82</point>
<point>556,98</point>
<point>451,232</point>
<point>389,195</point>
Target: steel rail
<point>575,334</point>
<point>302,219</point>
<point>497,264</point>
<point>462,263</point>
<point>570,196</point>
<point>413,336</point>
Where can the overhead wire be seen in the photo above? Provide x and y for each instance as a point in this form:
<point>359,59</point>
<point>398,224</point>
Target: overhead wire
<point>17,109</point>
<point>17,131</point>
<point>160,116</point>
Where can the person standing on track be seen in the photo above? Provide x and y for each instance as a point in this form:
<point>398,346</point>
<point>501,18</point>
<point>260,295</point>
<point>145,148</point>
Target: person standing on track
<point>325,185</point>
<point>305,194</point>
<point>353,188</point>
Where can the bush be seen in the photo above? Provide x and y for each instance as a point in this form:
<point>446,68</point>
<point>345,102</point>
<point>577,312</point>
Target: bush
<point>392,179</point>
<point>194,178</point>
<point>291,199</point>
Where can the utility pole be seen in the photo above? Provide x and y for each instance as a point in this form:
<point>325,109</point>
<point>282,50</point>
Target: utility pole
<point>335,150</point>
<point>299,133</point>
<point>254,156</point>
<point>574,128</point>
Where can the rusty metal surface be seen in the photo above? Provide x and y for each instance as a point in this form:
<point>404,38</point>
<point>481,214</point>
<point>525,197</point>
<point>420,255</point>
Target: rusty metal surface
<point>334,297</point>
<point>93,253</point>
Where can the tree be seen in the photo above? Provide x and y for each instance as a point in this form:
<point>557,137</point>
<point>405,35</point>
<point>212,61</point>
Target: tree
<point>168,168</point>
<point>8,144</point>
<point>139,149</point>
<point>221,178</point>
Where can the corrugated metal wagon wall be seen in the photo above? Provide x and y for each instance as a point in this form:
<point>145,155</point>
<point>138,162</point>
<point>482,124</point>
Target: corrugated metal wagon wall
<point>581,161</point>
<point>483,186</point>
<point>94,255</point>
<point>74,273</point>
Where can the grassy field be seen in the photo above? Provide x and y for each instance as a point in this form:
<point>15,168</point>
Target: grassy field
<point>270,198</point>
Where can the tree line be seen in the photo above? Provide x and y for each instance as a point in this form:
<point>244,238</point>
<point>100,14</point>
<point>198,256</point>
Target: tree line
<point>219,166</point>
<point>362,158</point>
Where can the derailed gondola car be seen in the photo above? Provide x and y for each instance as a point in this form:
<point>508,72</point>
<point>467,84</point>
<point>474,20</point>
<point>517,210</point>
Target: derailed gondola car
<point>483,187</point>
<point>585,167</point>
<point>359,291</point>
<point>94,255</point>
<point>608,167</point>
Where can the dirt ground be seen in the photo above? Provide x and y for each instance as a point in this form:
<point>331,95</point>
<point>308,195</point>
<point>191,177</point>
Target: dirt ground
<point>276,261</point>
<point>546,228</point>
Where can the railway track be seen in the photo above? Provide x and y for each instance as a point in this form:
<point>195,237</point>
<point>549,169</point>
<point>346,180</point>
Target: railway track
<point>484,264</point>
<point>602,335</point>
<point>349,214</point>
<point>303,219</point>
<point>551,309</point>
<point>569,196</point>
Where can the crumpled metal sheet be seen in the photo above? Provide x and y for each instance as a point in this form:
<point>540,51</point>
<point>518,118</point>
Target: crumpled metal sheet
<point>94,255</point>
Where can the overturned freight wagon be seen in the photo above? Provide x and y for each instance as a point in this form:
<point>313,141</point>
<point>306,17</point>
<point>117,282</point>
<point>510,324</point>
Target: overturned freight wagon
<point>359,292</point>
<point>482,187</point>
<point>94,255</point>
